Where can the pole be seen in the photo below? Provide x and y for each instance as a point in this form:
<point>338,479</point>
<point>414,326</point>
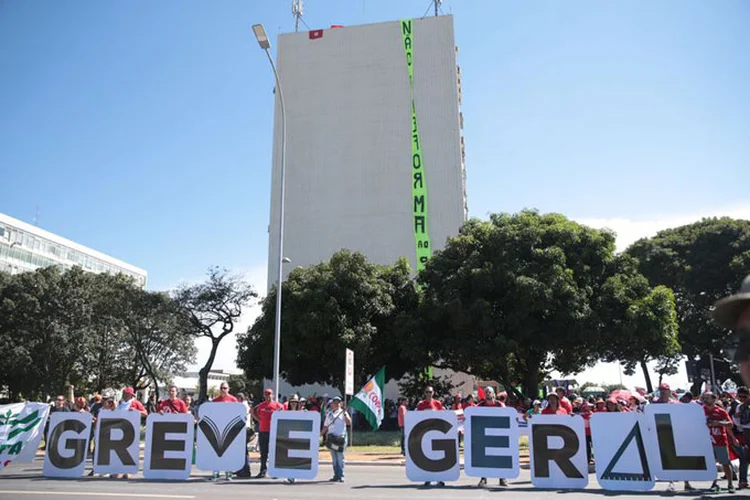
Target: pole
<point>277,326</point>
<point>713,373</point>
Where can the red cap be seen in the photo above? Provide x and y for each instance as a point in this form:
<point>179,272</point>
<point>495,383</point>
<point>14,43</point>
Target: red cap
<point>664,386</point>
<point>268,391</point>
<point>128,390</point>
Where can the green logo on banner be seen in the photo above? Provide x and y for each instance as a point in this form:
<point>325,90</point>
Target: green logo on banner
<point>418,178</point>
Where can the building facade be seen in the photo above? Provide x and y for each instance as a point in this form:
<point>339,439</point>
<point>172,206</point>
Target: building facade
<point>24,247</point>
<point>374,152</point>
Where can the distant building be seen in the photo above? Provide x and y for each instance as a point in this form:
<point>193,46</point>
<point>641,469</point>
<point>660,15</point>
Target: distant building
<point>188,382</point>
<point>374,151</point>
<point>24,247</point>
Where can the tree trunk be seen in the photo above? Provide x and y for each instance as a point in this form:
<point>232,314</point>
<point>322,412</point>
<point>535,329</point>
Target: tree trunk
<point>531,383</point>
<point>647,376</point>
<point>203,373</point>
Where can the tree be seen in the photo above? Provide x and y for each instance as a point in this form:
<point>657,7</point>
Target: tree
<point>701,262</point>
<point>519,295</point>
<point>213,308</point>
<point>413,384</point>
<point>160,333</point>
<point>640,322</point>
<point>347,302</point>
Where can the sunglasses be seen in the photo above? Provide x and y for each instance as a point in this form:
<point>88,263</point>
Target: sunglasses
<point>224,388</point>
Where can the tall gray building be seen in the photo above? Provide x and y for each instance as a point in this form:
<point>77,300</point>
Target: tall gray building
<point>374,152</point>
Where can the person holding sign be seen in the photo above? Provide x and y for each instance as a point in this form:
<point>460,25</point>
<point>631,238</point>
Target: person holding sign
<point>129,402</point>
<point>262,414</point>
<point>553,405</point>
<point>334,433</point>
<point>172,404</point>
<point>718,421</point>
<point>491,401</point>
<point>428,403</point>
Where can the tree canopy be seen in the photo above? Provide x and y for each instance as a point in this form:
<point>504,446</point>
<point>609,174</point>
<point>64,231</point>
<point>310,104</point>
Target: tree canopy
<point>701,262</point>
<point>60,328</point>
<point>519,295</point>
<point>347,302</point>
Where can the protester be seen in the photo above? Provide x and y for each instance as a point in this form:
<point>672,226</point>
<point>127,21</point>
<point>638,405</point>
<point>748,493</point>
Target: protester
<point>587,410</point>
<point>536,409</point>
<point>151,404</point>
<point>665,395</point>
<point>553,405</point>
<point>612,405</point>
<point>718,422</point>
<point>129,402</point>
<point>490,399</point>
<point>564,401</point>
<point>429,403</point>
<point>192,409</point>
<point>741,420</point>
<point>249,433</point>
<point>334,433</point>
<point>600,405</point>
<point>224,397</point>
<point>262,414</point>
<point>96,405</point>
<point>469,401</point>
<point>172,404</point>
<point>402,409</point>
<point>733,313</point>
<point>81,405</point>
<point>457,403</point>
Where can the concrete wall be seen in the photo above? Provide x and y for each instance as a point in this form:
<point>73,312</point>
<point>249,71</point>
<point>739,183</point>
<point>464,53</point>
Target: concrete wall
<point>348,167</point>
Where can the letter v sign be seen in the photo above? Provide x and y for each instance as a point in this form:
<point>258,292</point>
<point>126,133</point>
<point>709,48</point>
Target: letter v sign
<point>220,441</point>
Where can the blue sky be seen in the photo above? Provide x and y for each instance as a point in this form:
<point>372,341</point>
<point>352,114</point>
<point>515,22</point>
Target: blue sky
<point>143,129</point>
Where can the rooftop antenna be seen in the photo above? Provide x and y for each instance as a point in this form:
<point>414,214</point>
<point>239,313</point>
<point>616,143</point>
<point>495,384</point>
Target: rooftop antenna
<point>437,6</point>
<point>297,10</point>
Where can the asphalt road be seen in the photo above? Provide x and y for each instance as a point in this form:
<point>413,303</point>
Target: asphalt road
<point>25,481</point>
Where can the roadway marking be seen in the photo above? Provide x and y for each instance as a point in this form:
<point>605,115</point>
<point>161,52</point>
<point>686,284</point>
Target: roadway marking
<point>94,494</point>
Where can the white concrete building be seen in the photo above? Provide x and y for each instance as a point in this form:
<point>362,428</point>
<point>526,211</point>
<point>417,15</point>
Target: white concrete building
<point>24,247</point>
<point>374,153</point>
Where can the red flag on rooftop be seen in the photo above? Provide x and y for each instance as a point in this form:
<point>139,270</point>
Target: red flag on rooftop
<point>315,34</point>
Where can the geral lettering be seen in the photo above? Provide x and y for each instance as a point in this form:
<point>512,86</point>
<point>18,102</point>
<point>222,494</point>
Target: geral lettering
<point>632,450</point>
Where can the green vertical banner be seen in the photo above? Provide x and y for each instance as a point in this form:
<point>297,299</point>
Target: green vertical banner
<point>418,178</point>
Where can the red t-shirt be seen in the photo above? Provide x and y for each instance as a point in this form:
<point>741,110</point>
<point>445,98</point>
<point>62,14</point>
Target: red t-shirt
<point>401,414</point>
<point>172,406</point>
<point>138,406</point>
<point>265,410</point>
<point>469,405</point>
<point>430,405</point>
<point>565,405</point>
<point>497,403</point>
<point>224,399</point>
<point>560,411</point>
<point>718,434</point>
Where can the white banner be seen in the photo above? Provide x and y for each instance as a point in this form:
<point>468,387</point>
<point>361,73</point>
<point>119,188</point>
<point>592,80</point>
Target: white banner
<point>169,446</point>
<point>349,373</point>
<point>558,452</point>
<point>431,446</point>
<point>622,461</point>
<point>118,435</point>
<point>222,437</point>
<point>294,444</point>
<point>491,442</point>
<point>680,443</point>
<point>21,430</point>
<point>67,444</point>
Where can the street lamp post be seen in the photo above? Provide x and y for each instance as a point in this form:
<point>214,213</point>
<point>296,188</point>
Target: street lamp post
<point>265,44</point>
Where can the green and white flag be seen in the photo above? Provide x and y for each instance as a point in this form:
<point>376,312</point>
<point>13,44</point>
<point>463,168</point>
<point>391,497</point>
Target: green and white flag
<point>369,400</point>
<point>21,429</point>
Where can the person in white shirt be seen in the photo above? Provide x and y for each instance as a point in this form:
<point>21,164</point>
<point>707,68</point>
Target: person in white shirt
<point>334,432</point>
